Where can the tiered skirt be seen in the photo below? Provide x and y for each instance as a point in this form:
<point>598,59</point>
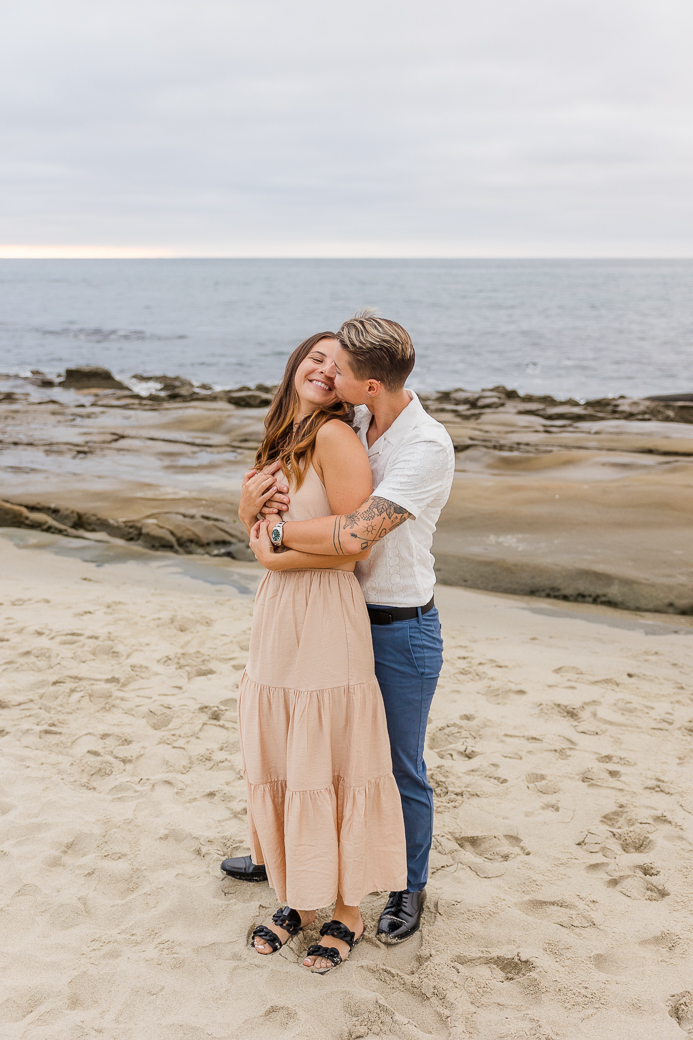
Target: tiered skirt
<point>324,811</point>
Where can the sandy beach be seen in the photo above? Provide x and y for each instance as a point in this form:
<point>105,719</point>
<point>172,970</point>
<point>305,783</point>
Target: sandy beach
<point>560,752</point>
<point>489,205</point>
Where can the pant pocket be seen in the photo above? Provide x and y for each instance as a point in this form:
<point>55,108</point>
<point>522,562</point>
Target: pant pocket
<point>426,644</point>
<point>416,646</point>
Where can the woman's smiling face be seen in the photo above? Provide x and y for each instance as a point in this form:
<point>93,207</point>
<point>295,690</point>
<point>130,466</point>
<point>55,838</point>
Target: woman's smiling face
<point>315,388</point>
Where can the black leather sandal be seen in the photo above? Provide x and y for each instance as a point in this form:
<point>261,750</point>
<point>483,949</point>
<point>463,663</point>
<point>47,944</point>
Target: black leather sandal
<point>286,918</point>
<point>338,931</point>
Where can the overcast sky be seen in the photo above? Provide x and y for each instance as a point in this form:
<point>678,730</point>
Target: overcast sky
<point>368,128</point>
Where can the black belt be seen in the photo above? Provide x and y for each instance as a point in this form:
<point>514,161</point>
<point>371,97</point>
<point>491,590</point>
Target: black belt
<point>386,615</point>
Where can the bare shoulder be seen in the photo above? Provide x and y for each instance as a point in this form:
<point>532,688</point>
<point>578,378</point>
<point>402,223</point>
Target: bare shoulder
<point>336,435</point>
<point>342,465</point>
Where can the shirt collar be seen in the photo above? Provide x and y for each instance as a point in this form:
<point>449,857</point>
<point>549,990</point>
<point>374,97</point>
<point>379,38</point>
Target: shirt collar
<point>405,421</point>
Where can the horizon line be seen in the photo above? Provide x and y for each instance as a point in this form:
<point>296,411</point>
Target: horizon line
<point>11,252</point>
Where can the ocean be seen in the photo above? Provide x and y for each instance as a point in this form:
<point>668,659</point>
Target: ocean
<point>570,328</point>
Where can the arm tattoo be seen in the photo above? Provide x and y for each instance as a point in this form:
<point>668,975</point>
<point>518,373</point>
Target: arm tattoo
<point>375,519</point>
<point>336,538</point>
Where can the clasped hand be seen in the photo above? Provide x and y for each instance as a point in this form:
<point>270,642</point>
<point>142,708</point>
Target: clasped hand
<point>261,546</point>
<point>261,494</point>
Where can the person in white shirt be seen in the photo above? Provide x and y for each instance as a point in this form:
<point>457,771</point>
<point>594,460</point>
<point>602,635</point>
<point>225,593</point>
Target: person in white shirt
<point>412,460</point>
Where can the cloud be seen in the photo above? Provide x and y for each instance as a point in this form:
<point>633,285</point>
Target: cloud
<point>381,128</point>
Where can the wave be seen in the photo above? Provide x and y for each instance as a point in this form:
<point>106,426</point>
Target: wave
<point>99,335</point>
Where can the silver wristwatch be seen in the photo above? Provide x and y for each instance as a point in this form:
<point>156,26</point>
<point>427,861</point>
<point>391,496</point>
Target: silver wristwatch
<point>276,534</point>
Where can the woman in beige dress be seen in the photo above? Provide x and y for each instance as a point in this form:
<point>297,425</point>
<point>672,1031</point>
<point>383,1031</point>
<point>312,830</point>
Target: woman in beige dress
<point>324,811</point>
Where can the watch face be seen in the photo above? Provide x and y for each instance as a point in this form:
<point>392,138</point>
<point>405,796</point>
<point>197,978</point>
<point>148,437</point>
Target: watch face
<point>276,534</point>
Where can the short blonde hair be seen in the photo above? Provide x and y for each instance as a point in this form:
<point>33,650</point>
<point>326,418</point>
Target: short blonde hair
<point>378,349</point>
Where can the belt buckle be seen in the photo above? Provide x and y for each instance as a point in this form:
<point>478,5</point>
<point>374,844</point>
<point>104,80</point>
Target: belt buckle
<point>384,617</point>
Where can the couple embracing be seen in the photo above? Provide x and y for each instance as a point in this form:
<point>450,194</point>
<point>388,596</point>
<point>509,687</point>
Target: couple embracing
<point>345,649</point>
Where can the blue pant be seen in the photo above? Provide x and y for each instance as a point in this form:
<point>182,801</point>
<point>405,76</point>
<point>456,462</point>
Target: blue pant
<point>408,659</point>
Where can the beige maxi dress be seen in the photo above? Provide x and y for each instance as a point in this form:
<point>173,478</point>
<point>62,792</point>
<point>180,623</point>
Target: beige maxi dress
<point>324,811</point>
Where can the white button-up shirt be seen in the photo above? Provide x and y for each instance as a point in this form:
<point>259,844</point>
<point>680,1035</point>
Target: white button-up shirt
<point>413,465</point>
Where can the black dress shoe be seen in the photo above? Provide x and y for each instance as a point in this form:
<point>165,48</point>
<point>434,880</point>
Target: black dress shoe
<point>243,869</point>
<point>401,917</point>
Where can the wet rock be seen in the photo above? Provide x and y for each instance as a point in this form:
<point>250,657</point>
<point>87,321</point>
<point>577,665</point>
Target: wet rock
<point>128,531</point>
<point>39,378</point>
<point>195,534</point>
<point>683,412</point>
<point>542,399</point>
<point>643,410</point>
<point>670,397</point>
<point>630,408</point>
<point>566,580</point>
<point>174,387</point>
<point>154,536</point>
<point>249,398</point>
<point>467,397</point>
<point>564,413</point>
<point>486,400</point>
<point>470,404</point>
<point>76,522</point>
<point>169,532</point>
<point>64,515</point>
<point>90,377</point>
<point>13,515</point>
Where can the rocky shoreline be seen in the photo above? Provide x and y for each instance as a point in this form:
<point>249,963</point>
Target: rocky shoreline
<point>586,501</point>
<point>462,403</point>
<point>146,388</point>
<point>176,532</point>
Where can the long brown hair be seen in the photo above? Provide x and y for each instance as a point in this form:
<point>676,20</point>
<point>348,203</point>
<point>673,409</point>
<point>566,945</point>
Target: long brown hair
<point>293,444</point>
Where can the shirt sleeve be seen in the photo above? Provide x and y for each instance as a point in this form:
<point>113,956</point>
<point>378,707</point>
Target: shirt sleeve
<point>418,475</point>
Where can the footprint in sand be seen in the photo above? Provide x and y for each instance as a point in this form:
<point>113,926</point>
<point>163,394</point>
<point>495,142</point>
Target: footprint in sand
<point>443,736</point>
<point>599,776</point>
<point>617,962</point>
<point>572,712</point>
<point>371,1016</point>
<point>195,664</point>
<point>662,941</point>
<point>448,789</point>
<point>276,1020</point>
<point>24,1002</point>
<point>451,741</point>
<point>631,832</point>
<point>488,854</point>
<point>558,911</point>
<point>582,716</point>
<point>540,783</point>
<point>502,694</point>
<point>498,969</point>
<point>634,839</point>
<point>637,886</point>
<point>158,717</point>
<point>396,1007</point>
<point>616,760</point>
<point>681,1010</point>
<point>492,847</point>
